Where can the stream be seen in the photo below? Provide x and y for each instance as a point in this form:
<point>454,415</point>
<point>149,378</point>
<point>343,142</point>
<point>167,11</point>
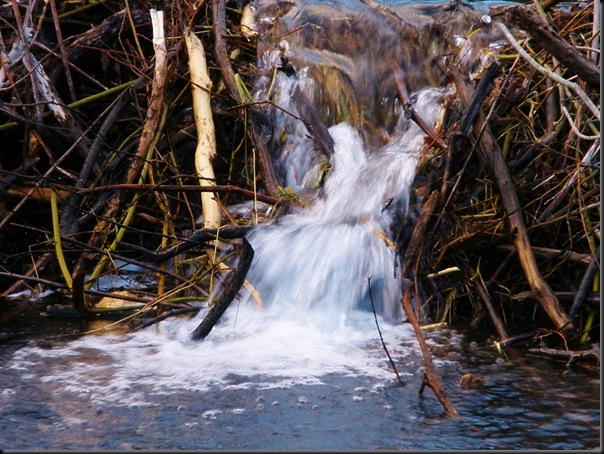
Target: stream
<point>307,369</point>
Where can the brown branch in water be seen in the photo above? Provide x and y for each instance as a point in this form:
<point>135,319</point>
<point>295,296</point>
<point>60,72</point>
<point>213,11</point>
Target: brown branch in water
<point>482,291</point>
<point>431,378</point>
<point>228,294</point>
<point>572,357</point>
<point>412,255</point>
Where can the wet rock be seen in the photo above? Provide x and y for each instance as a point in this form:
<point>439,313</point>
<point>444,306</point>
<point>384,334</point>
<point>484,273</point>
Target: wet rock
<point>471,381</point>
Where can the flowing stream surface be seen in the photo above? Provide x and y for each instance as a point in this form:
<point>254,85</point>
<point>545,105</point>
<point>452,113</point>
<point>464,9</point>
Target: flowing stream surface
<point>308,369</point>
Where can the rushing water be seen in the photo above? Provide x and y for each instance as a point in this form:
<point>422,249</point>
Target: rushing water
<point>307,370</point>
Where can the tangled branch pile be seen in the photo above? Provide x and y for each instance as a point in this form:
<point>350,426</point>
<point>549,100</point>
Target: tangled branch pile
<point>100,139</point>
<point>514,210</point>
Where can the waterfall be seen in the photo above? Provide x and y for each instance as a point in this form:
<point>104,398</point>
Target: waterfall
<point>322,258</point>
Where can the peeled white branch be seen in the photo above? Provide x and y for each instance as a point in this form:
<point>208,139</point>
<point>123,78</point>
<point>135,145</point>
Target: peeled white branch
<point>206,140</point>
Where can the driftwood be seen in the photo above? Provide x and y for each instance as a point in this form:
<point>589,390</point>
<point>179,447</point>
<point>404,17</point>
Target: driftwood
<point>228,294</point>
<point>572,357</point>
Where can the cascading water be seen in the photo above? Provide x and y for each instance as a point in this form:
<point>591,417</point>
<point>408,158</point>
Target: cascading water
<point>307,370</point>
<point>322,260</point>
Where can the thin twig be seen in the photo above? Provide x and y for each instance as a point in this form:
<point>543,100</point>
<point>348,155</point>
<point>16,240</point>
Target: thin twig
<point>398,377</point>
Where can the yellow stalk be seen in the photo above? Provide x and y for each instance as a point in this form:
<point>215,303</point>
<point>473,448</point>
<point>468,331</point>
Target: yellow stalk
<point>57,237</point>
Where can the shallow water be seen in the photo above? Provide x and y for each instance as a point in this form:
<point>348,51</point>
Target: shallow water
<point>289,390</point>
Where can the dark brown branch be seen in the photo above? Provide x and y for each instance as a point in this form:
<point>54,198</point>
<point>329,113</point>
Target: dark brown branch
<point>486,298</point>
<point>586,284</point>
<point>398,377</point>
<point>181,188</point>
<point>409,111</point>
<point>572,357</point>
<point>431,378</point>
<point>229,293</point>
<point>198,238</point>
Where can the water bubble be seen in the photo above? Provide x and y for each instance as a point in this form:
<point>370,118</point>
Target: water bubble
<point>358,398</point>
<point>302,400</point>
<point>211,414</point>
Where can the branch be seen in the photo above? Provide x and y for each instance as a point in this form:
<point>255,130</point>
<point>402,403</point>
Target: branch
<point>555,77</point>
